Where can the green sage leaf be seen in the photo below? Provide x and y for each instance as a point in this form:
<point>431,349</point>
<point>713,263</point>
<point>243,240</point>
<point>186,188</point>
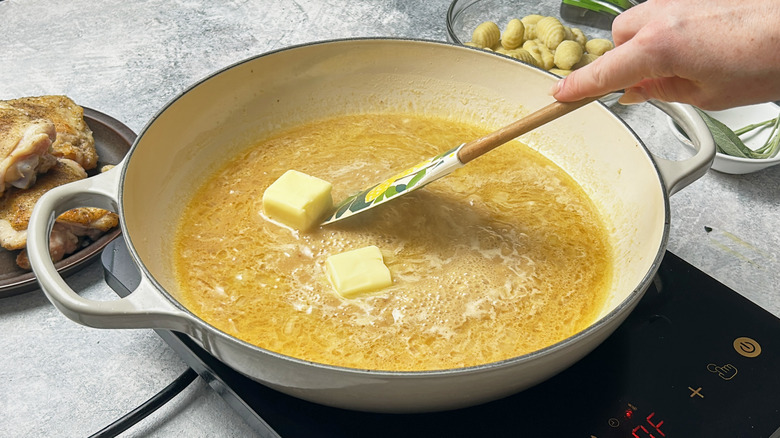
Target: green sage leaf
<point>726,140</point>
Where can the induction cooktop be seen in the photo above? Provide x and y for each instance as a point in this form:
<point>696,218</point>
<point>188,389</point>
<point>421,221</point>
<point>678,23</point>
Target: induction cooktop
<point>694,359</point>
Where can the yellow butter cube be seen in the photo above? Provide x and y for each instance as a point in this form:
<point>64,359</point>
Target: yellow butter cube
<point>297,200</point>
<point>358,271</point>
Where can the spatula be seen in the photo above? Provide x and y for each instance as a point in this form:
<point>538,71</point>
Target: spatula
<point>443,164</point>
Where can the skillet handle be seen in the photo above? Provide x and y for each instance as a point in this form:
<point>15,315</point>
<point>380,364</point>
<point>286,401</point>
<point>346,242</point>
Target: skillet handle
<point>677,175</point>
<point>145,307</point>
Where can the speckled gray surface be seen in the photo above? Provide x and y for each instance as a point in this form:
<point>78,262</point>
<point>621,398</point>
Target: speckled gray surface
<point>128,59</point>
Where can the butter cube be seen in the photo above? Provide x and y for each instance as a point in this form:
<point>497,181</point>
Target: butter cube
<point>297,200</point>
<point>358,271</point>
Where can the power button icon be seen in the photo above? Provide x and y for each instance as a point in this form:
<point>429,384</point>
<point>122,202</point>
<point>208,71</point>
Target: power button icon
<point>747,347</point>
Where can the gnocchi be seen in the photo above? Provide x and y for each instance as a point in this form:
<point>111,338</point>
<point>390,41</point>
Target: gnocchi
<point>586,59</point>
<point>550,31</point>
<point>533,49</point>
<point>542,41</point>
<point>579,36</point>
<point>486,35</point>
<point>544,57</point>
<point>530,31</point>
<point>599,46</point>
<point>567,33</point>
<point>560,72</point>
<point>567,55</point>
<point>523,55</point>
<point>513,35</point>
<point>531,19</point>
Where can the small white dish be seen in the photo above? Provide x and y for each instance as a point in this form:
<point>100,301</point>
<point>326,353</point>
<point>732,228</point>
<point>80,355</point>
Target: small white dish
<point>736,118</point>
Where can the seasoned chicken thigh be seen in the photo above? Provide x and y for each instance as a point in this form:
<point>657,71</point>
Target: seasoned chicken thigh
<point>16,208</point>
<point>74,138</point>
<point>70,226</point>
<point>45,143</point>
<point>25,146</point>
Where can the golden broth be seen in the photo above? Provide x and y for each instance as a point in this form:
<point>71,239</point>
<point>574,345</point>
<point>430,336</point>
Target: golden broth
<point>503,257</point>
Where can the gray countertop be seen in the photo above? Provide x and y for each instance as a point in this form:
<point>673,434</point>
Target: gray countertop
<point>127,59</point>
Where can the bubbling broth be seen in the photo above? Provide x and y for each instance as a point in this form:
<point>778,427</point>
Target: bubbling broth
<point>503,257</point>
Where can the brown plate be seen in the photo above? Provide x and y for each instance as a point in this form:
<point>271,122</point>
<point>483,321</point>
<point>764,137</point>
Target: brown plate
<point>112,141</point>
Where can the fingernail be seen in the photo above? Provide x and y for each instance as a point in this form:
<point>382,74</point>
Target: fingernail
<point>557,87</point>
<point>632,96</point>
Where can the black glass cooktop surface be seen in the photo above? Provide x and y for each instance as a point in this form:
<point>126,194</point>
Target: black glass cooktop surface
<point>694,359</point>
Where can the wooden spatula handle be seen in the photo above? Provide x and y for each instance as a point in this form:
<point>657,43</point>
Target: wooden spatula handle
<point>475,148</point>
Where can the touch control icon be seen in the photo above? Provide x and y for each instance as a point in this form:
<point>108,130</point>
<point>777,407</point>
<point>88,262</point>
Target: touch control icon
<point>747,347</point>
<point>725,372</point>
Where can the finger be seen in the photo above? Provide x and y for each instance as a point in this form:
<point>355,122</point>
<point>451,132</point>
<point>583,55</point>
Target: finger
<point>628,23</point>
<point>631,22</point>
<point>620,68</point>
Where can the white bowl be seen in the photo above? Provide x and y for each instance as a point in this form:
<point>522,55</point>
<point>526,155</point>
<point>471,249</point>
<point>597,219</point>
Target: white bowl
<point>736,118</point>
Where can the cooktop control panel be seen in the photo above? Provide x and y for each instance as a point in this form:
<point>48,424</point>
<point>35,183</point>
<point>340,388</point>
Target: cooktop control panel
<point>694,359</point>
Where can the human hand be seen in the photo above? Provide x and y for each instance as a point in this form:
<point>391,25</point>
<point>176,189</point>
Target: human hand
<point>714,54</point>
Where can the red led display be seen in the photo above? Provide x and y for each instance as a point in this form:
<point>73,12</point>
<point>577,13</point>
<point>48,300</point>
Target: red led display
<point>656,426</point>
<point>647,432</point>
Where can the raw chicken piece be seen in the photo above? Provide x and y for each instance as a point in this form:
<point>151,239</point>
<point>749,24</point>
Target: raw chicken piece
<point>25,146</point>
<point>74,138</point>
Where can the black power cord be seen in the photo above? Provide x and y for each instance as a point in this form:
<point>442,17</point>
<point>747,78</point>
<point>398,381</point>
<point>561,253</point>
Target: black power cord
<point>151,405</point>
